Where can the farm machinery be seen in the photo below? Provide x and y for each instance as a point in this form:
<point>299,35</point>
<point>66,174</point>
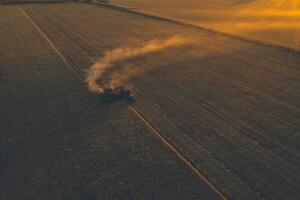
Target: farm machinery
<point>118,93</point>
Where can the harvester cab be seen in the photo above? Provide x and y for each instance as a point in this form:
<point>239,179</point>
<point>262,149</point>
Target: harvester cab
<point>118,93</point>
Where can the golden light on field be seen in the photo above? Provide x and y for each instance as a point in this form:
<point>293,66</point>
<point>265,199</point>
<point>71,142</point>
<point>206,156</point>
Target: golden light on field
<point>269,21</point>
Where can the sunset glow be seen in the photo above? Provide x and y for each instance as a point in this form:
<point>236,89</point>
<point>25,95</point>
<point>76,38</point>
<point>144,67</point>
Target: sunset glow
<point>270,21</point>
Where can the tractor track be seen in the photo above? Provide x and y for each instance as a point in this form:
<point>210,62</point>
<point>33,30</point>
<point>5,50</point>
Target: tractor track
<point>134,112</point>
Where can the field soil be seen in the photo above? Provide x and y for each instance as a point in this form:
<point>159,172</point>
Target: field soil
<point>270,21</point>
<point>230,106</point>
<point>58,141</point>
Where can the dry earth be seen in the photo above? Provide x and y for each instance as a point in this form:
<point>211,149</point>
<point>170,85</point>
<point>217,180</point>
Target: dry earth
<point>230,106</point>
<point>269,21</point>
<point>60,142</point>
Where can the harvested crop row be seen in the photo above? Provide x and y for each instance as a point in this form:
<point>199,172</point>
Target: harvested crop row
<point>59,141</point>
<point>221,101</point>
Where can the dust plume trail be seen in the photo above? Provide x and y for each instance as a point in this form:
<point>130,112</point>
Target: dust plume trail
<point>110,58</point>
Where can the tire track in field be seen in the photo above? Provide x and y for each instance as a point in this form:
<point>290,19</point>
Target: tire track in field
<point>133,111</point>
<point>60,54</point>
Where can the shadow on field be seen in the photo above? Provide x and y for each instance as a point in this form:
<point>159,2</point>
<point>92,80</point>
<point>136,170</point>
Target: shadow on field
<point>99,152</point>
<point>62,162</point>
<point>54,159</point>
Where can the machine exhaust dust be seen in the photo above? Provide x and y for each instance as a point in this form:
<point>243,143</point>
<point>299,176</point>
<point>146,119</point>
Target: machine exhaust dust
<point>98,70</point>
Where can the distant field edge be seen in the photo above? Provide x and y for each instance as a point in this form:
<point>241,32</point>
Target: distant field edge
<point>178,22</point>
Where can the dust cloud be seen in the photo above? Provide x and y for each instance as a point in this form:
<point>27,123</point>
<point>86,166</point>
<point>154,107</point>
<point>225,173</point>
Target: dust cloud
<point>111,58</point>
<point>273,22</point>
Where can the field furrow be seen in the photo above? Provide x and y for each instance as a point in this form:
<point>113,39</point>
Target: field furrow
<point>230,106</point>
<point>57,141</point>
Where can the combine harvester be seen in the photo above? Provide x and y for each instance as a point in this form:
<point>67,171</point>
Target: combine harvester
<point>118,93</point>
